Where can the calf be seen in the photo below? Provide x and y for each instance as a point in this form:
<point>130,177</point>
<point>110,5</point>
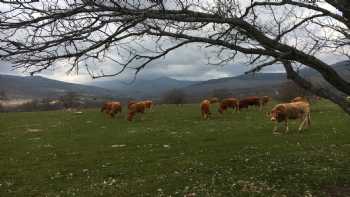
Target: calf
<point>135,108</point>
<point>229,103</point>
<point>205,109</point>
<point>295,110</point>
<point>111,108</point>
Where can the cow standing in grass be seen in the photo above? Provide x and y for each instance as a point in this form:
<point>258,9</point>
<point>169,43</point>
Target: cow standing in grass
<point>111,108</point>
<point>250,101</point>
<point>294,110</point>
<point>148,104</point>
<point>130,103</point>
<point>228,103</point>
<point>138,107</point>
<point>205,108</point>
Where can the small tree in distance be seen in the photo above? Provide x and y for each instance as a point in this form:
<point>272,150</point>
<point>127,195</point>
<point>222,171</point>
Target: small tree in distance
<point>221,93</point>
<point>174,96</point>
<point>70,100</point>
<point>3,95</point>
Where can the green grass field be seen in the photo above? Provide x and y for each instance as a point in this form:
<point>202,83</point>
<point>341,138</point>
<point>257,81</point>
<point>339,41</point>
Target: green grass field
<point>172,152</point>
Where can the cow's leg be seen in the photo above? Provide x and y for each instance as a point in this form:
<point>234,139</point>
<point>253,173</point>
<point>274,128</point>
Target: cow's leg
<point>260,107</point>
<point>286,126</point>
<point>275,127</point>
<point>301,126</point>
<point>309,119</point>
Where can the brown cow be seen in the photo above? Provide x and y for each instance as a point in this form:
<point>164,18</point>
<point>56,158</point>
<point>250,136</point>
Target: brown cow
<point>285,111</point>
<point>205,109</point>
<point>148,104</point>
<point>250,101</point>
<point>111,108</point>
<point>134,108</point>
<point>265,100</point>
<point>228,103</point>
<point>130,103</point>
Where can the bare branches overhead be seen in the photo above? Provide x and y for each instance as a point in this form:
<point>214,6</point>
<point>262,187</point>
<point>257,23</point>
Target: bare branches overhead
<point>35,35</point>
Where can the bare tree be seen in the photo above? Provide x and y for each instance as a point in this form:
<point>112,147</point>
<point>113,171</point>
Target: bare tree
<point>70,100</point>
<point>289,90</point>
<point>221,93</point>
<point>3,95</point>
<point>37,35</point>
<point>174,96</point>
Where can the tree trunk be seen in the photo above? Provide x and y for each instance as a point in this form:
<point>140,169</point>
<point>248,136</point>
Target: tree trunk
<point>335,97</point>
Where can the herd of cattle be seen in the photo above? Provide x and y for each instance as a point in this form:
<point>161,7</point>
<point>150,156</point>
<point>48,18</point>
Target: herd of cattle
<point>298,108</point>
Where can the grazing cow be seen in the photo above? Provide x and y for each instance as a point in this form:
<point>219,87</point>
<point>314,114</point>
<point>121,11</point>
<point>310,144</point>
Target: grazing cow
<point>214,100</point>
<point>265,100</point>
<point>205,109</point>
<point>285,111</point>
<point>252,100</point>
<point>299,98</point>
<point>148,104</point>
<point>229,103</point>
<point>134,108</point>
<point>111,108</point>
<point>130,103</point>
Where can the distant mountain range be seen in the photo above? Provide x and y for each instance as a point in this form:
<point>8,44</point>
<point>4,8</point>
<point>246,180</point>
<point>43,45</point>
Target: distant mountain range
<point>143,88</point>
<point>257,84</point>
<point>260,83</point>
<point>39,87</point>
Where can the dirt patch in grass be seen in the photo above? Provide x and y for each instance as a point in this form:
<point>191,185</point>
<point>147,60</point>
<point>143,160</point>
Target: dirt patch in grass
<point>336,190</point>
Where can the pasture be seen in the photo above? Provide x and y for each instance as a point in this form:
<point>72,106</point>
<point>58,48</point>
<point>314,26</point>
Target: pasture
<point>172,152</point>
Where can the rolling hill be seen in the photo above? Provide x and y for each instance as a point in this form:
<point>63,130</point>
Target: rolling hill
<point>242,85</point>
<point>40,87</point>
<point>143,88</point>
<point>259,83</point>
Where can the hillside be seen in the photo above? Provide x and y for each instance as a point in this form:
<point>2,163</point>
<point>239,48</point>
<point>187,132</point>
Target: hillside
<point>40,87</point>
<point>259,83</point>
<point>143,88</point>
<point>242,85</point>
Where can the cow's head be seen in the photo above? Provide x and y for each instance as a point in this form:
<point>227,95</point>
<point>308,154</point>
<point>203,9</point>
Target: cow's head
<point>277,113</point>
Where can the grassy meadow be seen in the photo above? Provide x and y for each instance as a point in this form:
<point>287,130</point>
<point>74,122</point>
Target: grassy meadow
<point>172,152</point>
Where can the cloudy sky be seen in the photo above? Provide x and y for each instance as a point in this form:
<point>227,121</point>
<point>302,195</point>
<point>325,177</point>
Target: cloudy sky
<point>186,63</point>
